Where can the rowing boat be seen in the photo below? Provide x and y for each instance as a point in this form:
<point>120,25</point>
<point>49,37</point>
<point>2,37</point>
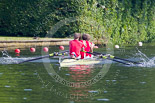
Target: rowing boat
<point>72,62</point>
<point>69,62</point>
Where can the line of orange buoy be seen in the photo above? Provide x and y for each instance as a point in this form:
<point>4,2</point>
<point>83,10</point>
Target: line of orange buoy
<point>46,49</point>
<point>32,50</point>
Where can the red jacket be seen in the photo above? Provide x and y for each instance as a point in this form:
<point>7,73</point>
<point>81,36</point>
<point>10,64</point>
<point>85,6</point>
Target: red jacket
<point>75,46</point>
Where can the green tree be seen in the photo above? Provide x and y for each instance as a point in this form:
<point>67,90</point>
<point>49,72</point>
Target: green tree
<point>122,21</point>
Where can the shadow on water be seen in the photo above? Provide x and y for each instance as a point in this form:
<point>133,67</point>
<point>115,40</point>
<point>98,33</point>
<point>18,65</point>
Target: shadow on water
<point>31,83</point>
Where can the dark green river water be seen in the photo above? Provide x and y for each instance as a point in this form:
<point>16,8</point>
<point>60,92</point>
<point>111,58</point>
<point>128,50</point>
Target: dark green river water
<point>42,82</point>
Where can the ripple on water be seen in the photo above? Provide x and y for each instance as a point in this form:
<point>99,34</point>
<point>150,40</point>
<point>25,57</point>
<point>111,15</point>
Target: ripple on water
<point>113,80</point>
<point>93,91</point>
<point>107,80</point>
<point>105,92</point>
<point>7,86</point>
<point>24,98</point>
<point>22,73</point>
<point>142,82</point>
<point>103,99</point>
<point>35,73</point>
<point>1,74</point>
<point>27,89</point>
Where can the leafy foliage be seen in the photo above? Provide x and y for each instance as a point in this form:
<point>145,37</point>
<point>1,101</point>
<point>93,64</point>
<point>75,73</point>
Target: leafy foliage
<point>122,21</point>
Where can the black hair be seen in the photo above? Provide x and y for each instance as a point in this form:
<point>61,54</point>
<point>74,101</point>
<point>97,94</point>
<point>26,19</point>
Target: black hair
<point>84,36</point>
<point>77,35</point>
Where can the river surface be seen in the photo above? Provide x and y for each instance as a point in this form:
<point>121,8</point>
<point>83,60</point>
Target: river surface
<point>42,81</point>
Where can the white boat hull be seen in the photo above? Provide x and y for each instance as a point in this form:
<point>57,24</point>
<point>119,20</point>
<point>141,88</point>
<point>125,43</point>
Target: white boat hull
<point>71,62</point>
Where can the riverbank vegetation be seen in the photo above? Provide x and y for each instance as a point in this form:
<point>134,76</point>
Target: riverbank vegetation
<point>121,21</point>
<point>13,38</point>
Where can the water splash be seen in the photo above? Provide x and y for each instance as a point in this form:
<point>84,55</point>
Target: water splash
<point>6,59</point>
<point>149,63</point>
<point>142,56</point>
<point>145,61</point>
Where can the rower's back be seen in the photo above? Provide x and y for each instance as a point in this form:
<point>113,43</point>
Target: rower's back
<point>75,46</point>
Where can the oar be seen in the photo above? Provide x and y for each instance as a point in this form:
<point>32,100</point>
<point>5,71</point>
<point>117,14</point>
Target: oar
<point>118,58</point>
<point>110,57</point>
<point>118,61</point>
<point>46,56</point>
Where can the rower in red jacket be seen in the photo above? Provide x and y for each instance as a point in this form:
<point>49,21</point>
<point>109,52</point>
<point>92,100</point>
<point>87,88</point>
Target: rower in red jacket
<point>75,46</point>
<point>91,46</point>
<point>87,46</point>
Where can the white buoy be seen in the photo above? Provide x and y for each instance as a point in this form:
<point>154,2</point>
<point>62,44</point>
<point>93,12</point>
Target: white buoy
<point>140,43</point>
<point>117,46</point>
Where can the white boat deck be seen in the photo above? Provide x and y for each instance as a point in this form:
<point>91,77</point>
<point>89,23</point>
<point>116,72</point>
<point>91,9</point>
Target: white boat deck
<point>71,62</point>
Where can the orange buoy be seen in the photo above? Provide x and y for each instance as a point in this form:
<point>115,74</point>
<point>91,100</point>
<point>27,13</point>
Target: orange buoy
<point>61,47</point>
<point>32,50</point>
<point>17,51</point>
<point>45,49</point>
